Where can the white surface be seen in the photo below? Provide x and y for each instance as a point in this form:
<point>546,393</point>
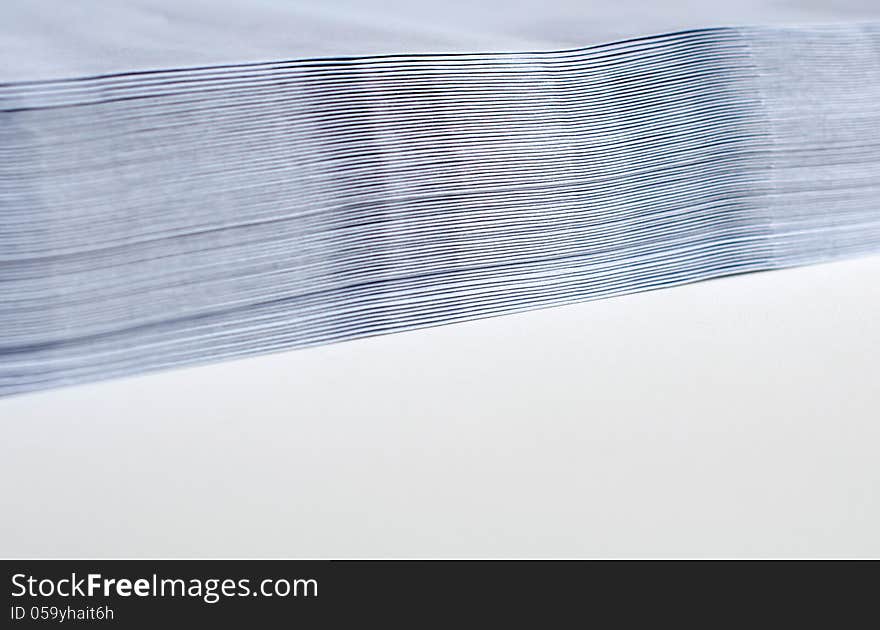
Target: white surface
<point>737,417</point>
<point>51,39</point>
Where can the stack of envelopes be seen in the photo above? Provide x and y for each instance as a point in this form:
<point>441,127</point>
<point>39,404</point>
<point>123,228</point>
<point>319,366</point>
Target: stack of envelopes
<point>158,218</point>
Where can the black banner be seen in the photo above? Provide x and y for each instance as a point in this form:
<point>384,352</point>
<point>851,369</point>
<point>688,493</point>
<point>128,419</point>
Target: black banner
<point>241,593</point>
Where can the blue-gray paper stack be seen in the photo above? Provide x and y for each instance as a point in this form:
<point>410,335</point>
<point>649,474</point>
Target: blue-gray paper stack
<point>154,216</point>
